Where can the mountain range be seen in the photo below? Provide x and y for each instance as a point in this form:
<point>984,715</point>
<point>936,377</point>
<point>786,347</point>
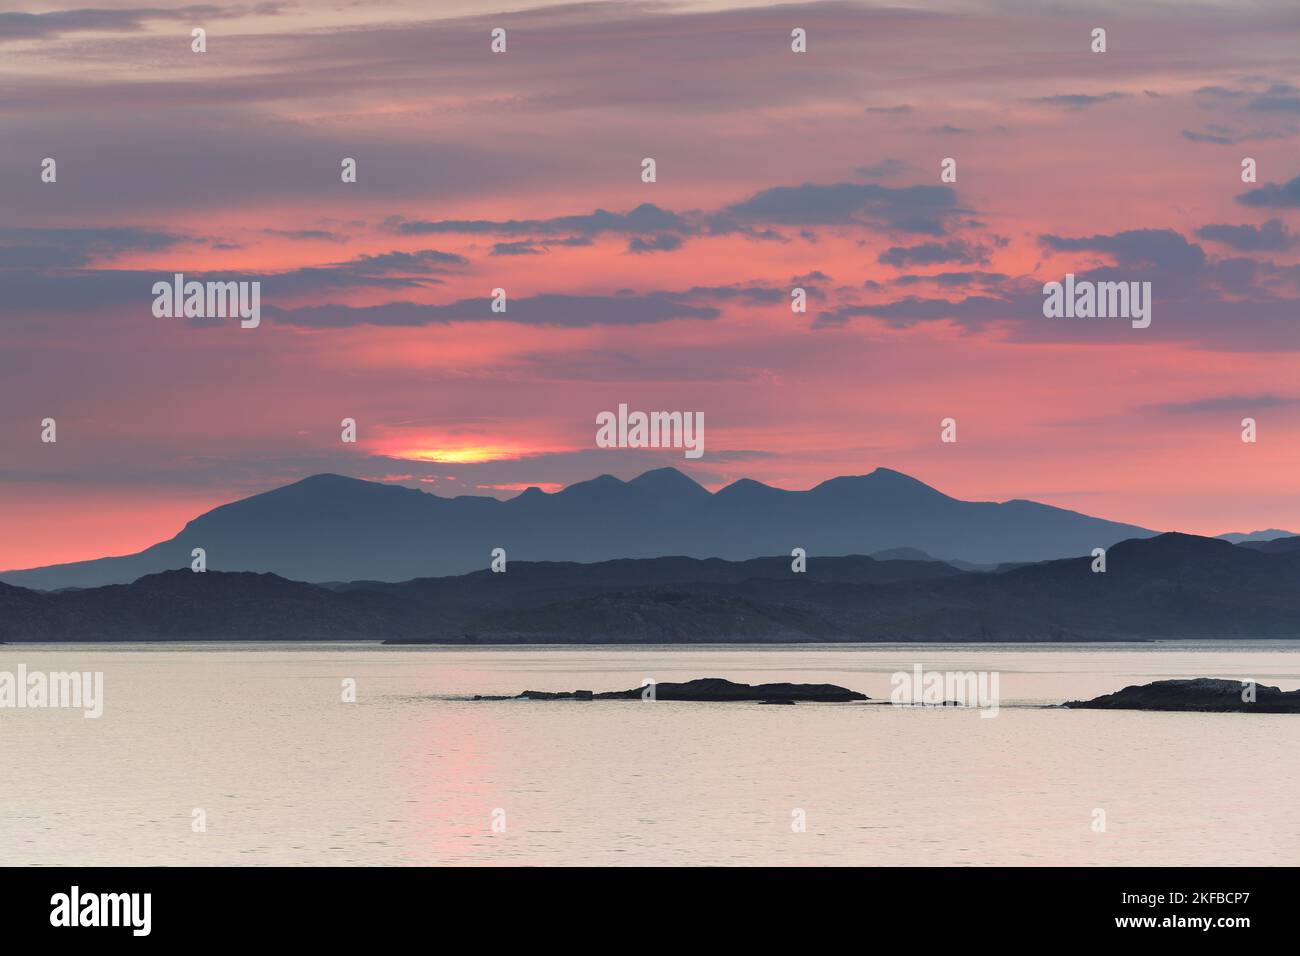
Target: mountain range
<point>333,528</point>
<point>1271,534</point>
<point>1167,586</point>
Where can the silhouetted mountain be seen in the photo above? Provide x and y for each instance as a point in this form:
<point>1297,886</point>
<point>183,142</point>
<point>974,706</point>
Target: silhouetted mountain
<point>901,554</point>
<point>1237,537</point>
<point>331,528</point>
<point>1274,545</point>
<point>1169,586</point>
<point>182,605</point>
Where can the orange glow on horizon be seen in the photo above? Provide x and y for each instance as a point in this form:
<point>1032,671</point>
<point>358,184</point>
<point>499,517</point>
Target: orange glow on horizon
<point>465,455</point>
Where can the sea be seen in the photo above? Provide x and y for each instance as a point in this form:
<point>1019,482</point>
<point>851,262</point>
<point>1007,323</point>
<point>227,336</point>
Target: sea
<point>363,754</point>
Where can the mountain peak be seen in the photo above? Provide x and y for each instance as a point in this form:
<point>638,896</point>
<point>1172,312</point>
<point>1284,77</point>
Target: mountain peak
<point>322,490</point>
<point>1172,545</point>
<point>747,488</point>
<point>889,475</point>
<point>668,481</point>
<point>601,484</point>
<point>880,478</point>
<point>327,479</point>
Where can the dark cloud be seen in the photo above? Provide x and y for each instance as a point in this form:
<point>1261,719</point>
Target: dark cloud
<point>323,235</point>
<point>645,218</point>
<point>1271,236</point>
<point>929,253</point>
<point>917,209</point>
<point>517,248</point>
<point>666,242</point>
<point>1280,98</point>
<point>1163,249</point>
<point>71,248</point>
<point>753,295</point>
<point>816,275</point>
<point>1196,137</point>
<point>44,26</point>
<point>954,279</point>
<point>1226,404</point>
<point>1268,195</point>
<point>536,247</point>
<point>1196,301</point>
<point>425,260</point>
<point>389,270</point>
<point>50,286</point>
<point>1223,136</point>
<point>1195,316</point>
<point>67,291</point>
<point>921,209</point>
<point>1077,101</point>
<point>1234,275</point>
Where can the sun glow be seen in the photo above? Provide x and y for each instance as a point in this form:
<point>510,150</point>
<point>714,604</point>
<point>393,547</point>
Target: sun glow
<point>469,454</point>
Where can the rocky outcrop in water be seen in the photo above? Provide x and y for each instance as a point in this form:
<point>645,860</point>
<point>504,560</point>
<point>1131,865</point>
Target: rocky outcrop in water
<point>1200,694</point>
<point>716,690</point>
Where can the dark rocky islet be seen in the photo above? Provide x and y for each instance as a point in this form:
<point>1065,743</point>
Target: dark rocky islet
<point>709,689</point>
<point>1197,694</point>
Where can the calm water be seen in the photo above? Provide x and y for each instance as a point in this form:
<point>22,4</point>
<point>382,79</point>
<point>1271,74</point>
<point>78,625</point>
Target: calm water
<point>259,739</point>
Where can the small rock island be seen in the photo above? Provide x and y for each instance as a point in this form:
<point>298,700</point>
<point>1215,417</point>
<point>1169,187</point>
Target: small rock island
<point>710,689</point>
<point>1199,694</point>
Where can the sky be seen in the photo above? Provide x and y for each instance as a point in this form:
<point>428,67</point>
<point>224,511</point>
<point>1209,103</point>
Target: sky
<point>522,171</point>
